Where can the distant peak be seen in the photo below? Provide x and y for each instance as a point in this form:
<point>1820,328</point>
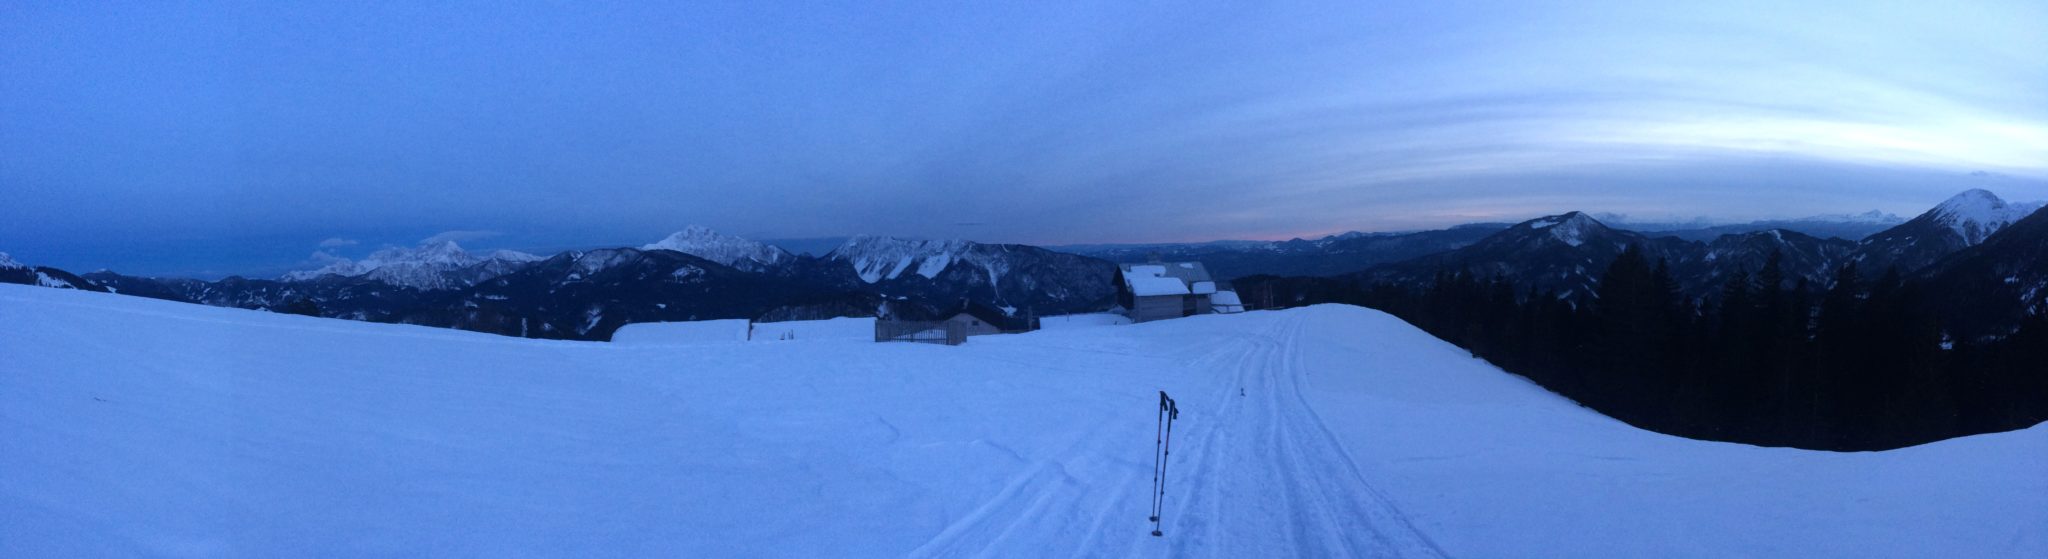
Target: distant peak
<point>1975,214</point>
<point>9,263</point>
<point>705,243</point>
<point>1573,219</point>
<point>1570,228</point>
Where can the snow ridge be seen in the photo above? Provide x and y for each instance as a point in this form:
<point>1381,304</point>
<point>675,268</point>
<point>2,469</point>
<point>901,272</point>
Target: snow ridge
<point>8,263</point>
<point>1977,213</point>
<point>702,242</point>
<point>429,266</point>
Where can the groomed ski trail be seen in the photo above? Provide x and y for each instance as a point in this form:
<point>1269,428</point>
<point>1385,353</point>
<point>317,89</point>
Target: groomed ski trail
<point>1246,466</point>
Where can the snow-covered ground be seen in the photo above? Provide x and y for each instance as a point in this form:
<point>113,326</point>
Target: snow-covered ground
<point>735,330</point>
<point>686,332</point>
<point>1090,320</point>
<point>134,427</point>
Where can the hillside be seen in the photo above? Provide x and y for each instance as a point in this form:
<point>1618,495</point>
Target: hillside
<point>144,427</point>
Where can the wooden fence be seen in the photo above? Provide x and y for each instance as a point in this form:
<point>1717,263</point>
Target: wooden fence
<point>929,332</point>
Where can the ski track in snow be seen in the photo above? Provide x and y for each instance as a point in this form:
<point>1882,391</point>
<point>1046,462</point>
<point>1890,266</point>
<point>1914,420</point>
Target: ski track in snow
<point>1261,464</point>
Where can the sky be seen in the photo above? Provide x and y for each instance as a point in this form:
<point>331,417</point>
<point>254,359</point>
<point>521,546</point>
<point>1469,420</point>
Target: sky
<point>211,138</point>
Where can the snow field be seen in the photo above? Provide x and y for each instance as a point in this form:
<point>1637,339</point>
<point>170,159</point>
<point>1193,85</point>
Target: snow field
<point>135,427</point>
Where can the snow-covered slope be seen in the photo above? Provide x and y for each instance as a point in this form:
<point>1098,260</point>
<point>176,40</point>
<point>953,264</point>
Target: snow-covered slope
<point>8,263</point>
<point>442,265</point>
<point>732,251</point>
<point>135,427</point>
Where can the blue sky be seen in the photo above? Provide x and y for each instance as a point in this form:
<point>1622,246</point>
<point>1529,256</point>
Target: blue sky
<point>213,138</point>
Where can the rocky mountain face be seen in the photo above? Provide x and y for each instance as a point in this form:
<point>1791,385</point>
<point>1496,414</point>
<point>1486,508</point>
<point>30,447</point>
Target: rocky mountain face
<point>740,254</point>
<point>1960,222</point>
<point>1019,278</point>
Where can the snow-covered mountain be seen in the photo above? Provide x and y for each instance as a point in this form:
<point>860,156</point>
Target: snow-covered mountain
<point>886,258</point>
<point>741,254</point>
<point>1012,276</point>
<point>587,294</point>
<point>12,271</point>
<point>1563,253</point>
<point>1568,253</point>
<point>428,267</point>
<point>1989,288</point>
<point>1960,222</point>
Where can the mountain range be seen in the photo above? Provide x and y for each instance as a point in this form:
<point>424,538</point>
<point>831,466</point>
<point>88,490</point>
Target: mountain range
<point>698,273</point>
<point>694,274</point>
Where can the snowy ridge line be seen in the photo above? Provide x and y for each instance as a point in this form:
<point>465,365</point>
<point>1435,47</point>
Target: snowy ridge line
<point>708,244</point>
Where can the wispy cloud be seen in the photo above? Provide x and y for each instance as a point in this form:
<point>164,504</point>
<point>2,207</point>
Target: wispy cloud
<point>338,242</point>
<point>459,236</point>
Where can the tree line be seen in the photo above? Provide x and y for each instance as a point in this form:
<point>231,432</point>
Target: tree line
<point>1855,365</point>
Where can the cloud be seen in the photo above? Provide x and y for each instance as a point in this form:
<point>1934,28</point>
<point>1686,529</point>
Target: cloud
<point>459,236</point>
<point>321,258</point>
<point>338,242</point>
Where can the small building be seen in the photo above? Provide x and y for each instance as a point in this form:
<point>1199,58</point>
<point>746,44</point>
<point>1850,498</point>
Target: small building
<point>980,319</point>
<point>1160,290</point>
<point>953,326</point>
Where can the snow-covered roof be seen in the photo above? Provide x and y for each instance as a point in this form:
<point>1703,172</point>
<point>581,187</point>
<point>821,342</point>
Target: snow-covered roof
<point>1224,298</point>
<point>1153,286</point>
<point>1168,279</point>
<point>1184,278</point>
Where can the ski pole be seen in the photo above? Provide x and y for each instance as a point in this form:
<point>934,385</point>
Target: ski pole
<point>1166,457</point>
<point>1158,426</point>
